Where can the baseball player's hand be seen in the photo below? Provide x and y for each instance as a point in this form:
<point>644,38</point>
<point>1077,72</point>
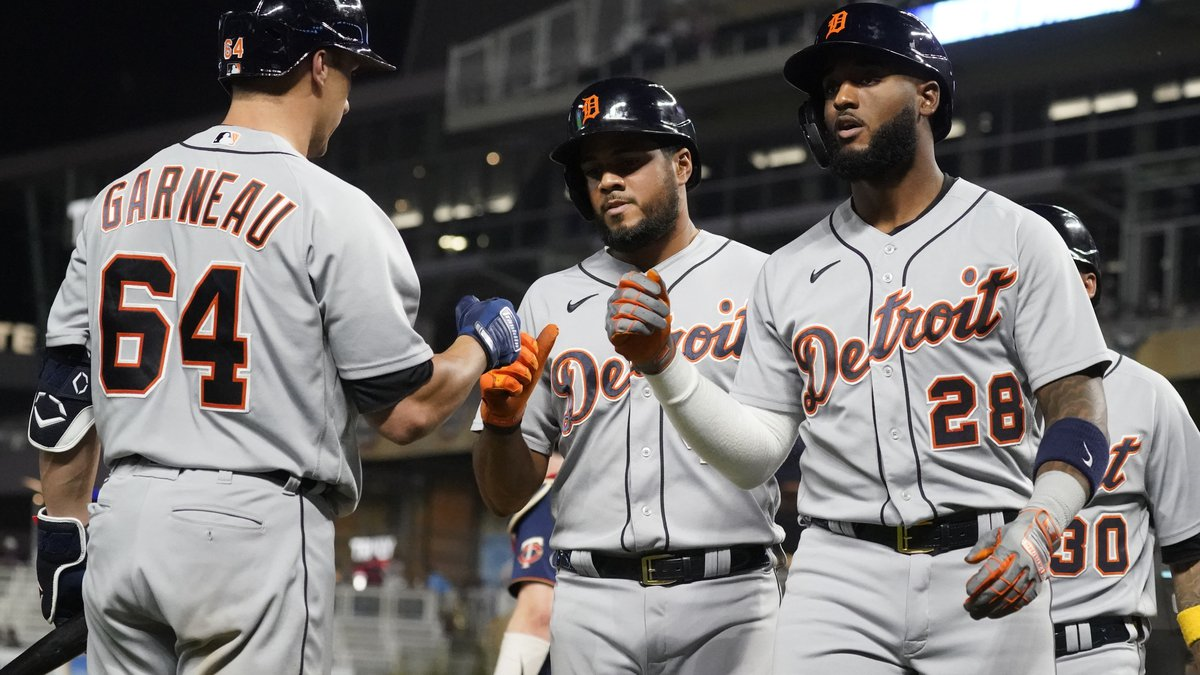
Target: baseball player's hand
<point>493,324</point>
<point>61,561</point>
<point>1016,559</point>
<point>639,321</point>
<point>506,390</point>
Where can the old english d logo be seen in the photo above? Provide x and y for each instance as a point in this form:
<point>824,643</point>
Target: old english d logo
<point>837,23</point>
<point>589,108</point>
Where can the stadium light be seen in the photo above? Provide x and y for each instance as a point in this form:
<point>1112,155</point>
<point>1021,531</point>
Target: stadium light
<point>777,157</point>
<point>1069,108</point>
<point>960,20</point>
<point>1168,92</point>
<point>1112,101</point>
<point>452,242</point>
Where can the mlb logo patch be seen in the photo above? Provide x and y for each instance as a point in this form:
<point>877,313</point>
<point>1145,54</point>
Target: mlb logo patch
<point>532,550</point>
<point>227,138</point>
<point>233,69</point>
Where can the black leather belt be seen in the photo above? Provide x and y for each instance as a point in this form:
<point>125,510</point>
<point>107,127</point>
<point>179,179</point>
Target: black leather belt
<point>940,535</point>
<point>303,486</point>
<point>1071,638</point>
<point>664,569</point>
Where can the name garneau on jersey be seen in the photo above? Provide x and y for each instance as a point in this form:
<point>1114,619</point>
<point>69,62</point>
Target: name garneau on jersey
<point>915,355</point>
<point>1105,565</point>
<point>155,195</point>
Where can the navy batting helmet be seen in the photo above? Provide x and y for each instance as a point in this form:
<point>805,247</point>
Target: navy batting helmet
<point>622,105</point>
<point>1079,241</point>
<point>279,34</point>
<point>880,30</point>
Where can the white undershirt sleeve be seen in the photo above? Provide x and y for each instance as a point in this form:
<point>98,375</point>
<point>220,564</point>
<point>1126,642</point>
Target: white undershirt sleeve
<point>746,444</point>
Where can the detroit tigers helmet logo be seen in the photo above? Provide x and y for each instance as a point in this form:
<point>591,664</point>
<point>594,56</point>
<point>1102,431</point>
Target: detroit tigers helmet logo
<point>532,550</point>
<point>837,23</point>
<point>589,108</point>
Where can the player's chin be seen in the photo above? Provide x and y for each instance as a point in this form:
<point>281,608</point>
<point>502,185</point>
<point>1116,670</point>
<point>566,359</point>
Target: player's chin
<point>319,148</point>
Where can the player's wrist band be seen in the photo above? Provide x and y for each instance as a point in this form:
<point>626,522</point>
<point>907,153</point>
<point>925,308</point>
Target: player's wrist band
<point>1079,443</point>
<point>1189,623</point>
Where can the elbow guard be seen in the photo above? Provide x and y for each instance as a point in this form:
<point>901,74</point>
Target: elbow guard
<point>1079,443</point>
<point>62,407</point>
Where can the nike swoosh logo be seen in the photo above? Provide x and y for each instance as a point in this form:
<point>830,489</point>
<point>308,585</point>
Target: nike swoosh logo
<point>572,306</point>
<point>1088,459</point>
<point>812,278</point>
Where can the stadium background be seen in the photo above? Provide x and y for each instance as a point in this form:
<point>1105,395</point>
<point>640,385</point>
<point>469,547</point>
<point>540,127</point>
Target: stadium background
<point>1100,114</point>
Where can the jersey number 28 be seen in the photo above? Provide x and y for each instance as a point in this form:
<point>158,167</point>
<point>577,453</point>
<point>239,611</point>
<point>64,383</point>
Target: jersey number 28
<point>951,420</point>
<point>134,338</point>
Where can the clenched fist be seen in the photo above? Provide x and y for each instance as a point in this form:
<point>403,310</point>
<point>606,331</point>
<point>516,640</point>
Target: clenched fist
<point>639,321</point>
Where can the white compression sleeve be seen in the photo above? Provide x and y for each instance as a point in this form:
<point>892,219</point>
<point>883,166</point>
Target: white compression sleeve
<point>745,443</point>
<point>1060,494</point>
<point>521,654</point>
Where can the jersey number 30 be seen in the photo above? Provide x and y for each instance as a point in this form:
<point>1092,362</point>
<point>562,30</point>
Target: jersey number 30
<point>1109,543</point>
<point>135,338</point>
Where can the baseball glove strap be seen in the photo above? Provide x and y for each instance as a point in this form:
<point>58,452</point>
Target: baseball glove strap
<point>940,535</point>
<point>1072,638</point>
<point>668,568</point>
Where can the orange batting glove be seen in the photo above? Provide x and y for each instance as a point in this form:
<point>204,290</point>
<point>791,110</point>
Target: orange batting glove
<point>1016,560</point>
<point>505,391</point>
<point>639,321</point>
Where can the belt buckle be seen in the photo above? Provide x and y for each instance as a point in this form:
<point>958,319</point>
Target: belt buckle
<point>903,537</point>
<point>648,570</point>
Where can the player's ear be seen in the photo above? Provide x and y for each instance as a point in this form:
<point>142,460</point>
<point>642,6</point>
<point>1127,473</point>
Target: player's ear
<point>319,65</point>
<point>681,160</point>
<point>930,96</point>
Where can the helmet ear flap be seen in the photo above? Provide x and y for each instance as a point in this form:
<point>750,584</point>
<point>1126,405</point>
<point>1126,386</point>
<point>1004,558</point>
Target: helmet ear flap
<point>577,189</point>
<point>810,125</point>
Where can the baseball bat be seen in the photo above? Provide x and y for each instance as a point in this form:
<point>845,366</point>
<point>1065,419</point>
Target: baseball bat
<point>54,649</point>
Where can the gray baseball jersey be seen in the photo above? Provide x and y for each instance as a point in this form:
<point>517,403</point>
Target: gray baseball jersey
<point>225,288</point>
<point>915,355</point>
<point>1105,566</point>
<point>628,482</point>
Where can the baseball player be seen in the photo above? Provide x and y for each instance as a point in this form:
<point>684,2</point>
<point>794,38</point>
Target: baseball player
<point>1103,575</point>
<point>930,342</point>
<point>526,644</point>
<point>229,310</point>
<point>664,566</point>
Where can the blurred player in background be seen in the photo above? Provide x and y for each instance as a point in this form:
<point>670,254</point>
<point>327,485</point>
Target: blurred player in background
<point>526,643</point>
<point>1103,575</point>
